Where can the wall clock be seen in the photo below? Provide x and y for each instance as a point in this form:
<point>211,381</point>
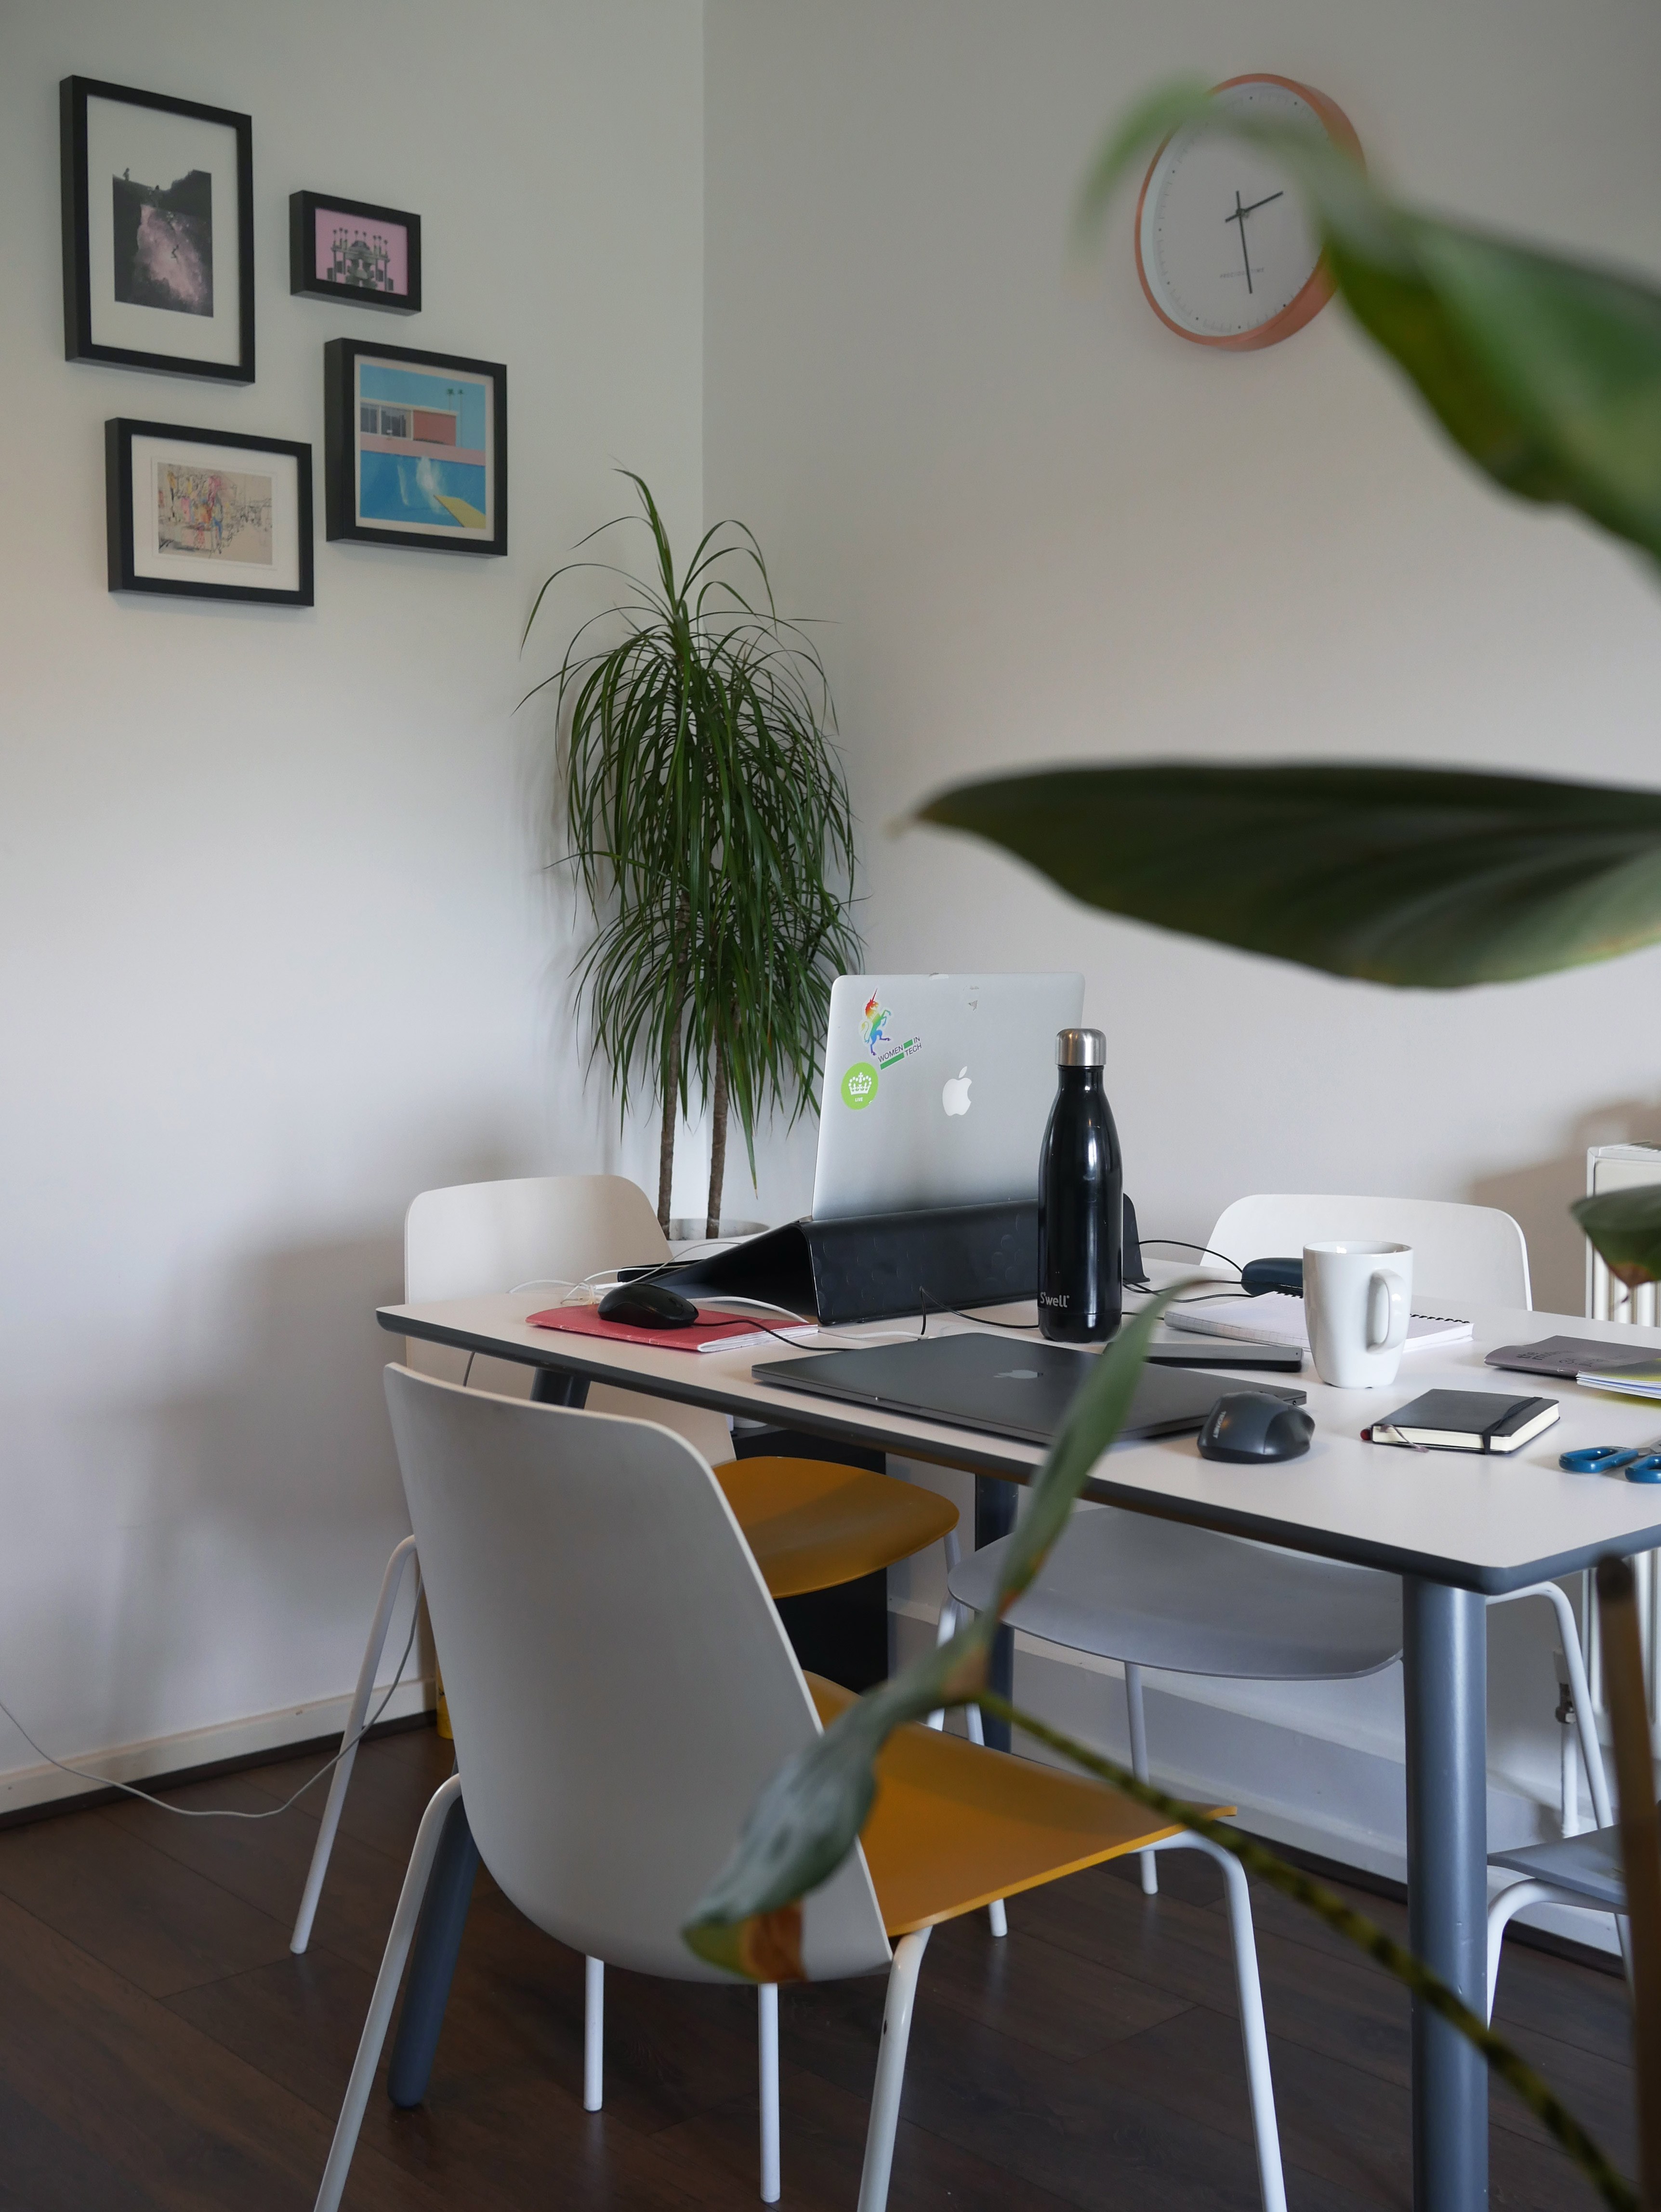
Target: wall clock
<point>1226,251</point>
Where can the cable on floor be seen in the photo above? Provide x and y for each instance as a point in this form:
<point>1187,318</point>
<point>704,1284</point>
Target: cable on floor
<point>223,1812</point>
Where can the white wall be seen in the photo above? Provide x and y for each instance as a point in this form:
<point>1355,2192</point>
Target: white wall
<point>277,950</point>
<point>1042,528</point>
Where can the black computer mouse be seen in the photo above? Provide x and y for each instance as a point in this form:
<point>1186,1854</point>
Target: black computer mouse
<point>1251,1424</point>
<point>647,1305</point>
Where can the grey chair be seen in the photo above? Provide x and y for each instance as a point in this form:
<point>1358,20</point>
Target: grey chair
<point>1584,1871</point>
<point>1149,1593</point>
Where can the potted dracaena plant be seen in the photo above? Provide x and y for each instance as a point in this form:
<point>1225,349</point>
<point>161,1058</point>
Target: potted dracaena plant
<point>1546,371</point>
<point>706,817</point>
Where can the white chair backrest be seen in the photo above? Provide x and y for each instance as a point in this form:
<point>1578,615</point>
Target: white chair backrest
<point>477,1237</point>
<point>1464,1255</point>
<point>618,1681</point>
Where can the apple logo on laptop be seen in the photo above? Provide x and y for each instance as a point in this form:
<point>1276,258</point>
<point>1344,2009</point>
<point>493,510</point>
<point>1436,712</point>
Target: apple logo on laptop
<point>954,1095</point>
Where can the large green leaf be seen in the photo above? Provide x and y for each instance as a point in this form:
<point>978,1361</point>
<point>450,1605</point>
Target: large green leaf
<point>1545,368</point>
<point>1625,1226</point>
<point>1437,876</point>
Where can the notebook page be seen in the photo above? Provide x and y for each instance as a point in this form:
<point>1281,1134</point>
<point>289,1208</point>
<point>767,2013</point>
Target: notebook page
<point>1279,1318</point>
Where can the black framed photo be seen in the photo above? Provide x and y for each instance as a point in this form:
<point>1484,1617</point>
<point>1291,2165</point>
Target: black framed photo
<point>347,250</point>
<point>158,232</point>
<point>208,514</point>
<point>415,447</point>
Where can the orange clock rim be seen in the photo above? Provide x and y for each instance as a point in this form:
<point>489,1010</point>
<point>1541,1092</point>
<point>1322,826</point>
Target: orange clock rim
<point>1320,286</point>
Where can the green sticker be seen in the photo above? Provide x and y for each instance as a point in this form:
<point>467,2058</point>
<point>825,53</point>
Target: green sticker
<point>859,1086</point>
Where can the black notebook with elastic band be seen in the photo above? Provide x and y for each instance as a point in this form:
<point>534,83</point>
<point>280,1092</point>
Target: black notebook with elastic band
<point>1466,1420</point>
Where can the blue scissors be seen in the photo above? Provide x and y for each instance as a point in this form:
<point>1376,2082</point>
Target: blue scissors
<point>1641,1465</point>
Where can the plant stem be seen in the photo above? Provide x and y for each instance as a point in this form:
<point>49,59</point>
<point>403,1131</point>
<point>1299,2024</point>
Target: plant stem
<point>717,1145</point>
<point>1641,1851</point>
<point>1554,2116</point>
<point>666,1134</point>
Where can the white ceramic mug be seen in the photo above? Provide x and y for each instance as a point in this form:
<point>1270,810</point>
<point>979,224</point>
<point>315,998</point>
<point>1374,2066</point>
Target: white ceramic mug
<point>1357,1297</point>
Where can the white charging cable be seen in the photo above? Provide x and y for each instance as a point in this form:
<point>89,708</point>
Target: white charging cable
<point>222,1812</point>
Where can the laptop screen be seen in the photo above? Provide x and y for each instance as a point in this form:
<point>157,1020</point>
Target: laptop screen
<point>937,1089</point>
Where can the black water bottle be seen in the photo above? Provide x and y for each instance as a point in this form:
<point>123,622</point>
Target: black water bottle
<point>1081,1201</point>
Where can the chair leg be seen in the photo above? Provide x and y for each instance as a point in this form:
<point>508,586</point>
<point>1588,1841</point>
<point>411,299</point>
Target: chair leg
<point>1133,1697</point>
<point>594,2034</point>
<point>890,2071</point>
<point>403,1555</point>
<point>1501,1912</point>
<point>1591,1751</point>
<point>767,2039</point>
<point>1585,1726</point>
<point>1521,1895</point>
<point>997,1918</point>
<point>1254,2034</point>
<point>385,1992</point>
<point>946,1628</point>
<point>951,1613</point>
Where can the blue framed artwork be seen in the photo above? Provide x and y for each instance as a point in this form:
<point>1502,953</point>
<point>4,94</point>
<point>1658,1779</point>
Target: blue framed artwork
<point>415,448</point>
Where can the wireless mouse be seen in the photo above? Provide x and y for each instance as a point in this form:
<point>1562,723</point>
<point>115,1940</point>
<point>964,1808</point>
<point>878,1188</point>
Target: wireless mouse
<point>647,1305</point>
<point>1250,1425</point>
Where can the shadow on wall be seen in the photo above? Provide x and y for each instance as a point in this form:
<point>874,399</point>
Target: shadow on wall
<point>1539,1196</point>
<point>273,1495</point>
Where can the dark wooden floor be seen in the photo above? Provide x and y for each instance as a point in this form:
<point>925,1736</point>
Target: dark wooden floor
<point>159,2046</point>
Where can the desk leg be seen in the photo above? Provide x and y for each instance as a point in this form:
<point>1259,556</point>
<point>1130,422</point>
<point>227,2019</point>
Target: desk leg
<point>994,1516</point>
<point>1446,1694</point>
<point>433,1960</point>
<point>549,1387</point>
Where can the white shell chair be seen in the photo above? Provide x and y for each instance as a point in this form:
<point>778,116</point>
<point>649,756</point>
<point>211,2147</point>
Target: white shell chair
<point>465,1242</point>
<point>812,1524</point>
<point>621,1687</point>
<point>1584,1871</point>
<point>1148,1593</point>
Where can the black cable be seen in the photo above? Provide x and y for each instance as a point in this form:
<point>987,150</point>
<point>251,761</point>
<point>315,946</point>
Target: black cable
<point>1027,1327</point>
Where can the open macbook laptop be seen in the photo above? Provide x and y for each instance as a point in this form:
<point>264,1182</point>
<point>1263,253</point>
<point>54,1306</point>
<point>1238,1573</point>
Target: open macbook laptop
<point>937,1088</point>
<point>998,1384</point>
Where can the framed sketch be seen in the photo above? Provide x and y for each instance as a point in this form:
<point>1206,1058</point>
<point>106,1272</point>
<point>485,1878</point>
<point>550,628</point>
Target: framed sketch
<point>158,232</point>
<point>208,514</point>
<point>347,250</point>
<point>415,447</point>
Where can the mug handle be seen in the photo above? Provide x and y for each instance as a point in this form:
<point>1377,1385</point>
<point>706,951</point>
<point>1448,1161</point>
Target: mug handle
<point>1387,1313</point>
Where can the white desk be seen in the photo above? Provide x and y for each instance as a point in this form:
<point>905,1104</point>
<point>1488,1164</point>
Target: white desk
<point>1454,1528</point>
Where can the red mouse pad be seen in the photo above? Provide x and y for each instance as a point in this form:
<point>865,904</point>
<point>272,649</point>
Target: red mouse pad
<point>584,1320</point>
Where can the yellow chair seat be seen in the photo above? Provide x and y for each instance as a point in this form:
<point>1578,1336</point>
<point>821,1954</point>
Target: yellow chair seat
<point>954,1827</point>
<point>812,1524</point>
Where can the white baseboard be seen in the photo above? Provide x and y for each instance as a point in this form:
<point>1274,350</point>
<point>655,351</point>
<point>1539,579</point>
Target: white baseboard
<point>45,1784</point>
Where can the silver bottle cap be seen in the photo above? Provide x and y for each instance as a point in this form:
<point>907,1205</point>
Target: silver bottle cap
<point>1080,1048</point>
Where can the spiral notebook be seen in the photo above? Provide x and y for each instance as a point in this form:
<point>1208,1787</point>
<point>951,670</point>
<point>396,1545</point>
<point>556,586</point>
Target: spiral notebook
<point>1276,1317</point>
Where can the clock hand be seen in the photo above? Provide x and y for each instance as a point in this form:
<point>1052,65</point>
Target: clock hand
<point>1256,205</point>
<point>1239,216</point>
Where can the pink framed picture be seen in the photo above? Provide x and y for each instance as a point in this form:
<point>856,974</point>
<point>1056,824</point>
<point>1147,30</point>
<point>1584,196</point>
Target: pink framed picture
<point>347,250</point>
